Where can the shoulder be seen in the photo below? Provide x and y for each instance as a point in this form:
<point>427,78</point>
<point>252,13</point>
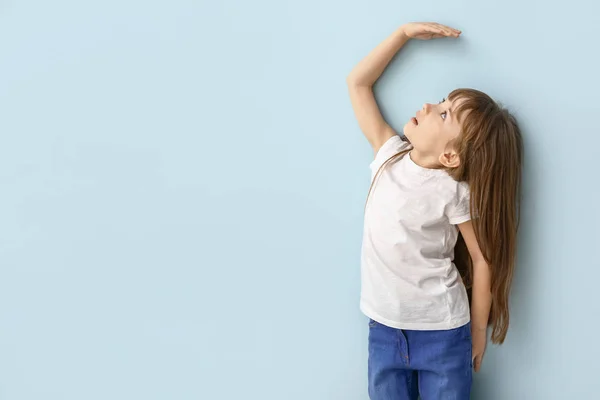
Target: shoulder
<point>392,146</point>
<point>453,188</point>
<point>458,202</point>
<point>462,189</point>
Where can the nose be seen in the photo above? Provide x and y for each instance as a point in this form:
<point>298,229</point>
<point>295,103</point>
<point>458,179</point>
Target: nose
<point>426,107</point>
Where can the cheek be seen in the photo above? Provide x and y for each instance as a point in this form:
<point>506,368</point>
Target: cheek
<point>410,131</point>
<point>408,128</point>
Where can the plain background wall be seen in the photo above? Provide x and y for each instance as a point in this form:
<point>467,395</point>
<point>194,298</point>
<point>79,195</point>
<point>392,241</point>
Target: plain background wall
<point>182,187</point>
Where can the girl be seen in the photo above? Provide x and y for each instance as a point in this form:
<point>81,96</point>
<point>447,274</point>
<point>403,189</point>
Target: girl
<point>452,181</point>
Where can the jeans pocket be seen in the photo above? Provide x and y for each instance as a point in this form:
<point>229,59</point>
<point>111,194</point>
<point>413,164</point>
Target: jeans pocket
<point>372,323</point>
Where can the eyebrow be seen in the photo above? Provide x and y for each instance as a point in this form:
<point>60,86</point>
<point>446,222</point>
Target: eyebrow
<point>452,111</point>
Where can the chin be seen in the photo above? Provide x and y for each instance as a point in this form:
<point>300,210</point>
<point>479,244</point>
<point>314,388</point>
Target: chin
<point>407,134</point>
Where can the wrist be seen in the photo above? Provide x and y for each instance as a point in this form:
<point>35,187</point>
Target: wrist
<point>402,33</point>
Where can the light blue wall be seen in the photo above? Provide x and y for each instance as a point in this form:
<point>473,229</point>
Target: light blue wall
<point>182,189</point>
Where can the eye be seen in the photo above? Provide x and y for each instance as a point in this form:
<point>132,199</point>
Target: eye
<point>445,113</point>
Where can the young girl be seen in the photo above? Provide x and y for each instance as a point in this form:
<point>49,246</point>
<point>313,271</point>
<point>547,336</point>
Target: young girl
<point>452,181</point>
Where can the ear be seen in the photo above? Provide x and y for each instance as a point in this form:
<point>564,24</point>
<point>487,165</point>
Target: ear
<point>449,158</point>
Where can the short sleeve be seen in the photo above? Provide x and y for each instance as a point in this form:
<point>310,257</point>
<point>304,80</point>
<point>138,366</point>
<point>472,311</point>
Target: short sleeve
<point>458,211</point>
<point>392,146</point>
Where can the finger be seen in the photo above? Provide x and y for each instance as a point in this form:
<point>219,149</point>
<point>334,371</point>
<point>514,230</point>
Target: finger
<point>447,33</point>
<point>447,27</point>
<point>477,363</point>
<point>449,30</point>
<point>437,28</point>
<point>443,33</point>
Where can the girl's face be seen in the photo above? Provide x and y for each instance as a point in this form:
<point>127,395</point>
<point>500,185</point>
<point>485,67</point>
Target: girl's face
<point>432,128</point>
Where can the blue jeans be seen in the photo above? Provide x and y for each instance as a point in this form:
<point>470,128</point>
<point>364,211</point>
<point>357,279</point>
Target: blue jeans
<point>405,364</point>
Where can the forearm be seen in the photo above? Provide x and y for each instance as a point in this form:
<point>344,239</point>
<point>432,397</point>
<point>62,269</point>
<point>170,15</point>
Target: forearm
<point>370,68</point>
<point>481,301</point>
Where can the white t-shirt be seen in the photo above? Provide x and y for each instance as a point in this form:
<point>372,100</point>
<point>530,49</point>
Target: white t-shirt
<point>408,278</point>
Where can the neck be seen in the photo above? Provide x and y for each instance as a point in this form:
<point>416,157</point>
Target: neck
<point>424,160</point>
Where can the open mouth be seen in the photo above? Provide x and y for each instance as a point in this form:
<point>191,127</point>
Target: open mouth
<point>414,121</point>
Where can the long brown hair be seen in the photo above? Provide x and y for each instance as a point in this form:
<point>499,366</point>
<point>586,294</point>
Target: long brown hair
<point>490,150</point>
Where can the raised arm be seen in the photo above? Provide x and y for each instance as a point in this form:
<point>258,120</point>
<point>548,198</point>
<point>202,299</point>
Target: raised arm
<point>364,75</point>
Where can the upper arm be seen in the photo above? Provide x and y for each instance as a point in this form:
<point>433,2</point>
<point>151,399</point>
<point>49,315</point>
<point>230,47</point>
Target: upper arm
<point>368,115</point>
<point>468,233</point>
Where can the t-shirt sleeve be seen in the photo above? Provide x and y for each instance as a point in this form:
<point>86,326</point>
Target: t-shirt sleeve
<point>392,146</point>
<point>458,210</point>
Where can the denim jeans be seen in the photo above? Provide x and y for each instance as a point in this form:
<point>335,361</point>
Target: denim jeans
<point>405,364</point>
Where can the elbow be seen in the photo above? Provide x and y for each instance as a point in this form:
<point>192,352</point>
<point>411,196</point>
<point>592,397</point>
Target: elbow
<point>480,264</point>
<point>351,80</point>
<point>481,273</point>
<point>354,81</point>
